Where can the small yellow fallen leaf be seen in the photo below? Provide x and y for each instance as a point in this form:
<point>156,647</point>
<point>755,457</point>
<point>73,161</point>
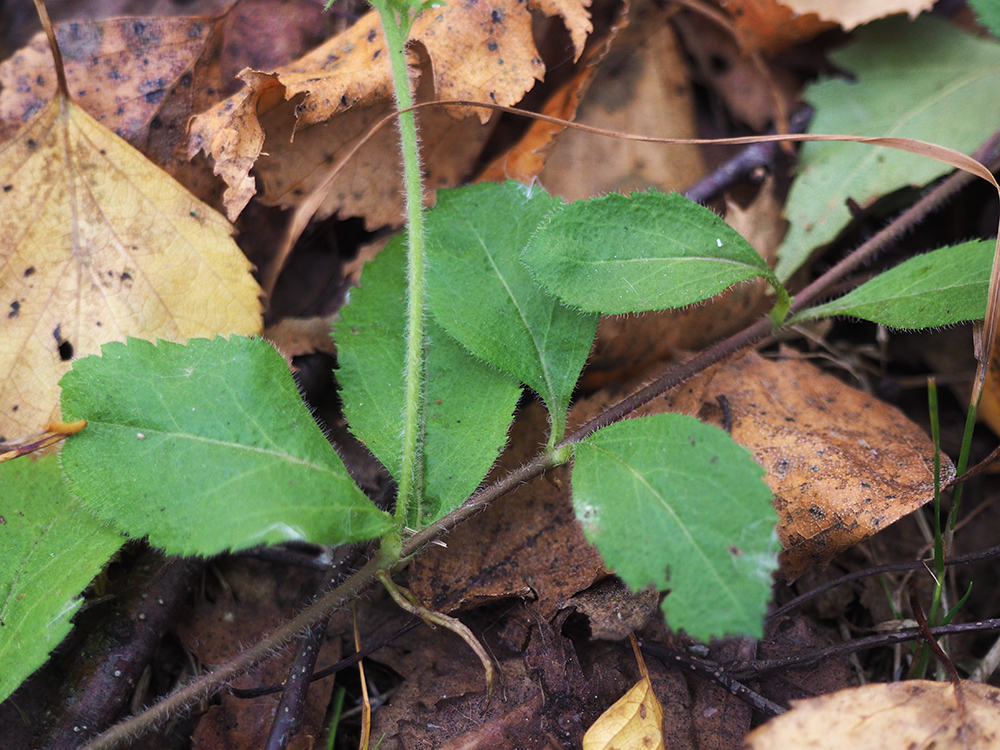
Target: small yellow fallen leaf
<point>912,714</point>
<point>98,244</point>
<point>634,722</point>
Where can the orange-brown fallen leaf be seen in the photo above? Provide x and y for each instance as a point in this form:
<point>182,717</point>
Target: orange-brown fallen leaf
<point>770,26</point>
<point>893,716</point>
<point>477,51</point>
<point>98,244</point>
<point>525,159</point>
<point>635,722</point>
<point>842,465</point>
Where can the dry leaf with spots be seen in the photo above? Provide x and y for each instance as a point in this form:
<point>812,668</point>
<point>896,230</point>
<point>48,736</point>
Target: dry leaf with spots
<point>141,78</point>
<point>888,716</point>
<point>635,722</point>
<point>477,51</point>
<point>525,160</point>
<point>98,244</point>
<point>842,465</point>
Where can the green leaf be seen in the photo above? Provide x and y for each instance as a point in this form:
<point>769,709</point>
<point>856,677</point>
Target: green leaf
<point>988,14</point>
<point>481,293</point>
<point>676,504</point>
<point>650,251</point>
<point>939,288</point>
<point>920,79</point>
<point>52,549</point>
<point>469,405</point>
<point>207,447</point>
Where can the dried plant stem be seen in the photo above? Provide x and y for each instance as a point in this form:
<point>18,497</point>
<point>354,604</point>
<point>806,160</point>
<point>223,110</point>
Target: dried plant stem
<point>405,601</point>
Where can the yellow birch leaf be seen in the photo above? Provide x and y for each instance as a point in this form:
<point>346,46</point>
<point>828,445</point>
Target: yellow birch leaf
<point>634,722</point>
<point>97,244</point>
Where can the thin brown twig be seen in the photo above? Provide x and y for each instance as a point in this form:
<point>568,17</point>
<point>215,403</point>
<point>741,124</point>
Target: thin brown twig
<point>745,671</point>
<point>990,553</point>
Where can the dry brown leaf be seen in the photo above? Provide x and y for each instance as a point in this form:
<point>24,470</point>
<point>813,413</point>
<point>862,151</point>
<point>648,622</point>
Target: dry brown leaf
<point>888,716</point>
<point>139,77</point>
<point>98,244</point>
<point>296,336</point>
<point>748,88</point>
<point>770,26</point>
<point>842,465</point>
<point>634,722</point>
<point>527,545</point>
<point>477,51</point>
<point>641,87</point>
<point>525,160</point>
<point>613,610</point>
<point>289,171</point>
<point>852,13</point>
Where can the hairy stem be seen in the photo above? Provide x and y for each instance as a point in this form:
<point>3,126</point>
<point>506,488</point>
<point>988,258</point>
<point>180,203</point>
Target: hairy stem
<point>396,25</point>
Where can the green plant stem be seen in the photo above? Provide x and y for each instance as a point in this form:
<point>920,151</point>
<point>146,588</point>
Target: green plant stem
<point>396,24</point>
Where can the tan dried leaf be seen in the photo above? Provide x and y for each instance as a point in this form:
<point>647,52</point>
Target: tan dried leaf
<point>892,716</point>
<point>477,51</point>
<point>98,244</point>
<point>642,87</point>
<point>770,26</point>
<point>852,13</point>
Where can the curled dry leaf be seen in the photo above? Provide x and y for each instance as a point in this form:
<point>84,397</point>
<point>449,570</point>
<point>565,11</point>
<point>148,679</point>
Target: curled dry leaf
<point>888,716</point>
<point>477,51</point>
<point>98,244</point>
<point>842,465</point>
<point>525,159</point>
